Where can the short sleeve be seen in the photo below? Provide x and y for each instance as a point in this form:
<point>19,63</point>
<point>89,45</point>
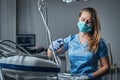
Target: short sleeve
<point>67,40</point>
<point>103,49</point>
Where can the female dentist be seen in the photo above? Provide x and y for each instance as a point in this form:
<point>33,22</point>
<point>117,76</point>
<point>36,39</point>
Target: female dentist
<point>85,48</point>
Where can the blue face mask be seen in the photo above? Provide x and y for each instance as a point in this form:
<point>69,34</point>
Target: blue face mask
<point>83,27</point>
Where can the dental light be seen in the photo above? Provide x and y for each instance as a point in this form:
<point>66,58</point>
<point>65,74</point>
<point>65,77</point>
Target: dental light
<point>69,1</point>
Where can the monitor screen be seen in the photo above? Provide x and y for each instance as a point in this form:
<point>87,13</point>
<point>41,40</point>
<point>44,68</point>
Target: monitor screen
<point>26,40</point>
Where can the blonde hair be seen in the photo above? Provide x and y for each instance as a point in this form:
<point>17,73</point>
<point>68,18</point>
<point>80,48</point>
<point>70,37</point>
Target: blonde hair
<point>95,33</point>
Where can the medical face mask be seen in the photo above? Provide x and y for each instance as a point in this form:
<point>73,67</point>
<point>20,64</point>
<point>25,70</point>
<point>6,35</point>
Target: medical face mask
<point>83,27</point>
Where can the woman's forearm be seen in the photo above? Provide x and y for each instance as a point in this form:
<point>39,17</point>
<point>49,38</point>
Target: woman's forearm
<point>50,52</point>
<point>102,71</point>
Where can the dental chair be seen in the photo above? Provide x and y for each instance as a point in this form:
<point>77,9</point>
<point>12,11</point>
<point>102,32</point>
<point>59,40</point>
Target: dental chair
<point>19,64</point>
<point>113,65</point>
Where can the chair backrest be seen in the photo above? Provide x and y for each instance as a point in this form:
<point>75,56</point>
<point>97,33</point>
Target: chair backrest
<point>67,61</point>
<point>109,53</point>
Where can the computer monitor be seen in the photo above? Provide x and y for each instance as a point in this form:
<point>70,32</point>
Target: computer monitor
<point>26,40</point>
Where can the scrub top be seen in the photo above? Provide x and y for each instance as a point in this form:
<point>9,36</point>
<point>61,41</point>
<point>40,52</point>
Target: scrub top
<point>83,61</point>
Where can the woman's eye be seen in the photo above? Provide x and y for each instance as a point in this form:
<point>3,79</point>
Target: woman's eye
<point>82,19</point>
<point>89,21</point>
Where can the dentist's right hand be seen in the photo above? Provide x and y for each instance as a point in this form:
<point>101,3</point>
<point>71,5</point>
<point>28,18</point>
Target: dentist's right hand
<point>57,44</point>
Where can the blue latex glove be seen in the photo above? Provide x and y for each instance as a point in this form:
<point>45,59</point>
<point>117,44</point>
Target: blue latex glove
<point>84,76</point>
<point>57,44</point>
<point>91,76</point>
